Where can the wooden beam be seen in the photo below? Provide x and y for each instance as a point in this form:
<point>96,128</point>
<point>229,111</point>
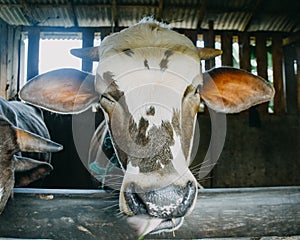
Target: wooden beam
<point>252,12</point>
<point>226,45</point>
<point>202,12</point>
<point>3,58</point>
<point>298,75</point>
<point>290,55</point>
<point>277,58</point>
<point>87,41</point>
<point>294,38</point>
<point>75,20</point>
<point>218,213</point>
<point>244,42</point>
<point>114,14</point>
<point>33,52</point>
<point>191,34</point>
<point>262,64</point>
<point>160,10</point>
<point>209,41</point>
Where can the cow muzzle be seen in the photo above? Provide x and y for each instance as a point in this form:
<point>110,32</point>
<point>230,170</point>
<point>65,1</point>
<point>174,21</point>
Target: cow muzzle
<point>170,204</point>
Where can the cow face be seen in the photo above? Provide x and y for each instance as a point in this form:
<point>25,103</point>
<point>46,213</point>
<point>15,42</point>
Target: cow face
<point>149,84</point>
<point>12,141</point>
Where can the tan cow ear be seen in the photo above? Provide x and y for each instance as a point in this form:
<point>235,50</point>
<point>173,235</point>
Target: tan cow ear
<point>30,142</point>
<point>230,90</point>
<point>87,54</point>
<point>208,53</point>
<point>28,170</point>
<point>62,91</point>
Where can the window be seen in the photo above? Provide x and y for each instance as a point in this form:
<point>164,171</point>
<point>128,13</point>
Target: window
<point>55,51</point>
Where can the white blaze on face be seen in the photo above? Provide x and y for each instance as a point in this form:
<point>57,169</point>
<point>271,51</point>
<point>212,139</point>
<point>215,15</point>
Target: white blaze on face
<point>152,77</point>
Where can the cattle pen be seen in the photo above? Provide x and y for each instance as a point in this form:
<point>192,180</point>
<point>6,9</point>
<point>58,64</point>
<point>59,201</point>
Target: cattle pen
<point>248,162</point>
<point>252,213</point>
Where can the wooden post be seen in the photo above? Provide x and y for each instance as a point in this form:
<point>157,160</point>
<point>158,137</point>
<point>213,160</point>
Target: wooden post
<point>277,54</point>
<point>3,58</point>
<point>298,75</point>
<point>33,52</point>
<point>244,52</point>
<point>87,41</point>
<point>191,34</point>
<point>104,33</point>
<point>209,42</point>
<point>262,64</point>
<point>226,45</point>
<point>16,64</point>
<point>290,55</point>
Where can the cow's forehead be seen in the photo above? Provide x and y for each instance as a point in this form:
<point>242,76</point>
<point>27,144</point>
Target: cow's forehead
<point>147,35</point>
<point>151,58</point>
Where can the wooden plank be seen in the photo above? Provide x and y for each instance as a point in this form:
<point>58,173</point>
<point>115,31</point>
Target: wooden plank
<point>33,52</point>
<point>290,55</point>
<point>16,64</point>
<point>160,10</point>
<point>201,15</point>
<point>219,213</point>
<point>191,34</point>
<point>294,38</point>
<point>252,11</point>
<point>209,41</point>
<point>9,61</point>
<point>87,41</point>
<point>262,64</point>
<point>3,58</point>
<point>244,52</point>
<point>298,75</point>
<point>277,55</point>
<point>226,45</point>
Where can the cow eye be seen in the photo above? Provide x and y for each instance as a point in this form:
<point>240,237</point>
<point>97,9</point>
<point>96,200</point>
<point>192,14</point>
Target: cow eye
<point>197,91</point>
<point>107,97</point>
<point>107,102</point>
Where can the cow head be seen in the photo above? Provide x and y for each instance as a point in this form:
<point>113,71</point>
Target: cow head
<point>12,141</point>
<point>149,84</point>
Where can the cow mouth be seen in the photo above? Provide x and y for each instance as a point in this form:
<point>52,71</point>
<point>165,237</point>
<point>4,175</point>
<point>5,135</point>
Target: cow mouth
<point>168,225</point>
<point>145,224</point>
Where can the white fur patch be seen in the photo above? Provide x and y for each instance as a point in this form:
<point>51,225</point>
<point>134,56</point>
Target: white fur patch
<point>180,165</point>
<point>1,192</point>
<point>132,170</point>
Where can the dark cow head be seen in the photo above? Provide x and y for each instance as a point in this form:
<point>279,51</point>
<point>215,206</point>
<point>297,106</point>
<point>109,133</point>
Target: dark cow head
<point>12,141</point>
<point>149,84</point>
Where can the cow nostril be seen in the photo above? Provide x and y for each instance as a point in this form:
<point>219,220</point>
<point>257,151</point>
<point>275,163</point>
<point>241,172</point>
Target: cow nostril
<point>134,201</point>
<point>188,199</point>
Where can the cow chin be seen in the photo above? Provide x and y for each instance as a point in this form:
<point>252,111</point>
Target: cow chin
<point>159,205</point>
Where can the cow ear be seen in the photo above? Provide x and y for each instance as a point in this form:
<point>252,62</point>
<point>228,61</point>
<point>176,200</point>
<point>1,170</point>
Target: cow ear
<point>30,142</point>
<point>62,91</point>
<point>28,170</point>
<point>230,90</point>
<point>86,54</point>
<point>208,53</point>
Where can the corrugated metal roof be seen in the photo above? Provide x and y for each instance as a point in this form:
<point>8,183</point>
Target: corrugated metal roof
<point>239,15</point>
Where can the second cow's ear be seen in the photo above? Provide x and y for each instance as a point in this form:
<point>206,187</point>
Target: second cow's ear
<point>62,91</point>
<point>28,170</point>
<point>230,90</point>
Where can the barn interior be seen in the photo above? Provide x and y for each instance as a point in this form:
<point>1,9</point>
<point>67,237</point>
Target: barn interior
<point>261,152</point>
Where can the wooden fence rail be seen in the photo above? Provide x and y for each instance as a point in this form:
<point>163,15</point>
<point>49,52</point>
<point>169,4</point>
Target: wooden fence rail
<point>219,213</point>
